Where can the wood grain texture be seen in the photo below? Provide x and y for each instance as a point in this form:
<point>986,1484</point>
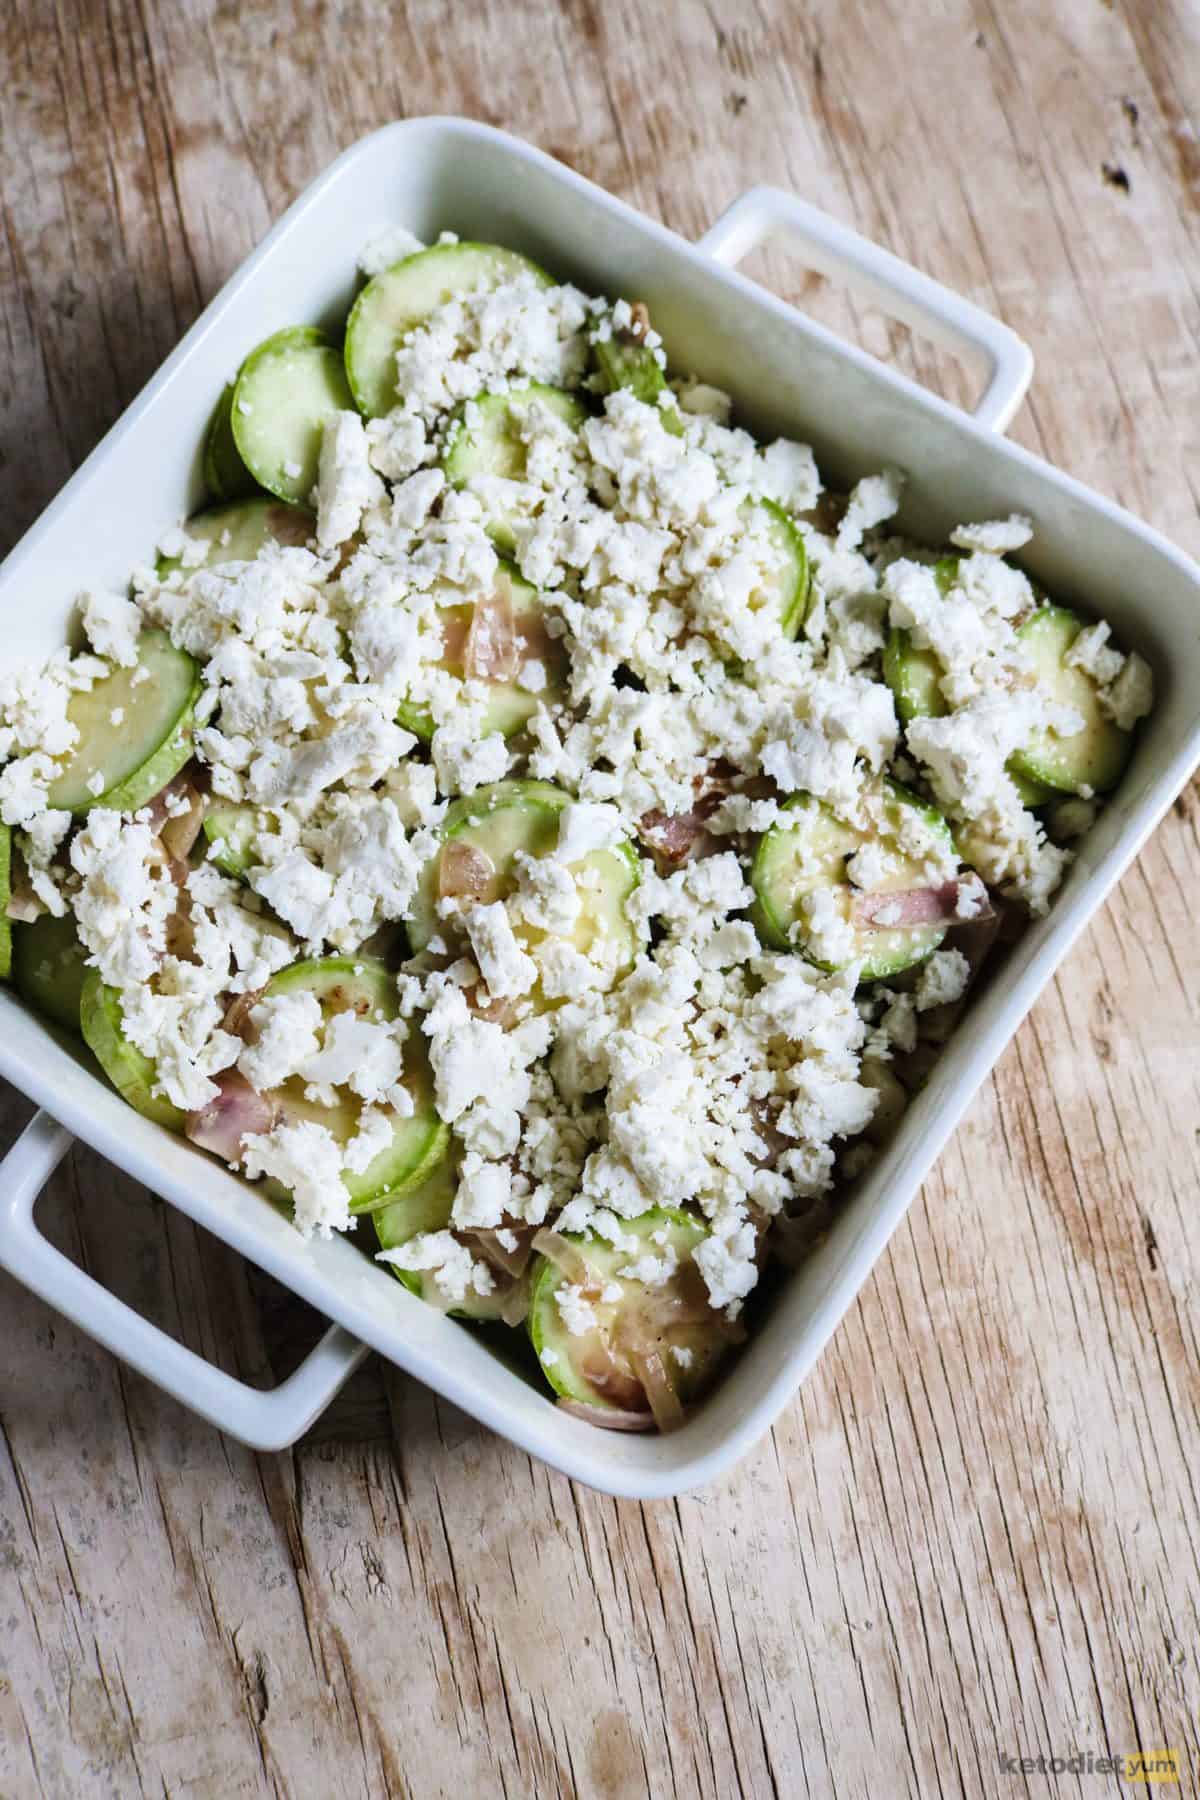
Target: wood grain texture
<point>977,1530</point>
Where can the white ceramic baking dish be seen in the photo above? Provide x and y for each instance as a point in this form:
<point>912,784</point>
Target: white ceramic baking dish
<point>787,374</point>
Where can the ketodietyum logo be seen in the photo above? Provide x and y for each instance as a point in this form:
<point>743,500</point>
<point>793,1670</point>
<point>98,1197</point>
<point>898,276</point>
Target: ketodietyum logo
<point>1143,1767</point>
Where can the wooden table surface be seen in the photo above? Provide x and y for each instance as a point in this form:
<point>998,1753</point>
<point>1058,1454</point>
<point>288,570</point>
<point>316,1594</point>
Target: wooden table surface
<point>975,1534</point>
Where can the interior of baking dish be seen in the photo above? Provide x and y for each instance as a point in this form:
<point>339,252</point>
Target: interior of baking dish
<point>786,377</point>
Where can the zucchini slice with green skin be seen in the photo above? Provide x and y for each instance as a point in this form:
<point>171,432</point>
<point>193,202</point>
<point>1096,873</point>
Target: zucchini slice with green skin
<point>6,934</point>
<point>135,731</point>
<point>420,1142</point>
<point>637,1329</point>
<point>48,967</point>
<point>808,855</point>
<point>225,474</point>
<point>237,532</point>
<point>790,585</point>
<point>286,391</point>
<point>1093,758</point>
<point>230,828</point>
<point>491,444</point>
<point>132,1073</point>
<point>402,297</point>
<point>623,361</point>
<point>510,706</point>
<point>523,816</point>
<point>915,678</point>
<point>428,1208</point>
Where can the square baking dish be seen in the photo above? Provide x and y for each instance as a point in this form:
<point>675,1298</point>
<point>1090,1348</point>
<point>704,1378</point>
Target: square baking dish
<point>787,375</point>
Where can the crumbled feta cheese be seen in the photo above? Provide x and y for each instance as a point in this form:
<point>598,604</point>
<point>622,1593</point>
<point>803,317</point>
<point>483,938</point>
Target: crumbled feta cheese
<point>364,1055</point>
<point>575,1310</point>
<point>872,500</point>
<point>453,1271</point>
<point>506,970</point>
<point>346,482</point>
<point>304,1158</point>
<point>386,247</point>
<point>286,1028</point>
<point>943,980</point>
<point>1091,653</point>
<point>994,537</point>
<point>1131,696</point>
<point>112,624</point>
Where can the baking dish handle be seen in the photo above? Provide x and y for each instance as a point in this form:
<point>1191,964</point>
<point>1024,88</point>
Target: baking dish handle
<point>266,1420</point>
<point>902,291</point>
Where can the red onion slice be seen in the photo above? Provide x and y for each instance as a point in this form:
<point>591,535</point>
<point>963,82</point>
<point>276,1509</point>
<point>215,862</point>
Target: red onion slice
<point>492,651</point>
<point>676,837</point>
<point>179,832</point>
<point>454,622</point>
<point>904,908</point>
<point>514,1309</point>
<point>608,1418</point>
<point>658,1388</point>
<point>237,1112</point>
<point>463,872</point>
<point>510,1262</point>
<point>565,1257</point>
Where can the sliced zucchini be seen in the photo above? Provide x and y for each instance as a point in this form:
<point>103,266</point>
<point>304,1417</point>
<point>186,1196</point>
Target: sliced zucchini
<point>523,816</point>
<point>499,820</point>
<point>286,390</point>
<point>225,474</point>
<point>6,945</point>
<point>1031,793</point>
<point>625,360</point>
<point>135,731</point>
<point>621,361</point>
<point>808,856</point>
<point>428,1208</point>
<point>238,531</point>
<point>131,1072</point>
<point>48,967</point>
<point>231,829</point>
<point>491,444</point>
<point>790,585</point>
<point>915,678</point>
<point>638,1328</point>
<point>420,1142</point>
<point>424,1208</point>
<point>1092,758</point>
<point>402,297</point>
<point>510,706</point>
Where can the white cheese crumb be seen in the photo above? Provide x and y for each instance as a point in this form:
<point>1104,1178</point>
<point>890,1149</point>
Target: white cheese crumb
<point>942,980</point>
<point>575,1310</point>
<point>286,1028</point>
<point>1131,695</point>
<point>454,1272</point>
<point>506,969</point>
<point>112,624</point>
<point>346,482</point>
<point>386,247</point>
<point>305,1158</point>
<point>994,537</point>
